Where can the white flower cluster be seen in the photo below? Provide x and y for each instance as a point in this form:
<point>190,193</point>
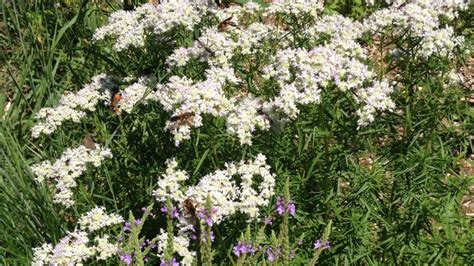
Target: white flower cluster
<point>335,58</point>
<point>301,74</point>
<point>73,106</point>
<point>169,184</point>
<point>421,18</point>
<point>180,245</point>
<point>131,28</point>
<point>189,102</point>
<point>77,247</point>
<point>295,7</point>
<point>66,169</point>
<point>97,219</point>
<point>375,97</point>
<point>246,116</point>
<point>133,94</point>
<point>231,190</point>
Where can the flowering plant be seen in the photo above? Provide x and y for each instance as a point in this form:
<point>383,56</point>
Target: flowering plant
<point>274,132</point>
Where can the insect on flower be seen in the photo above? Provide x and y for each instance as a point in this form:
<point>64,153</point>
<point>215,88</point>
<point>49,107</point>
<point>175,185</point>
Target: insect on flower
<point>189,206</point>
<point>185,118</point>
<point>116,97</point>
<point>88,142</point>
<point>225,24</point>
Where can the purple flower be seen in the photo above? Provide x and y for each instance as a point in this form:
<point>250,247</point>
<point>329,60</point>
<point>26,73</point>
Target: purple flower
<point>300,242</point>
<point>172,263</point>
<point>317,244</point>
<point>291,208</point>
<point>268,221</point>
<point>283,207</point>
<point>126,258</point>
<point>174,213</point>
<point>209,221</point>
<point>280,206</point>
<point>272,254</point>
<point>243,248</point>
<point>292,254</point>
<point>204,236</point>
<point>203,214</point>
<point>143,209</point>
<point>138,222</point>
<point>164,209</point>
<point>327,245</point>
<point>126,227</point>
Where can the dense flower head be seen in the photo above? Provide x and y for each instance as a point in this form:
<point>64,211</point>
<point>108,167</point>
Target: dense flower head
<point>134,94</point>
<point>226,196</point>
<point>131,28</point>
<point>73,106</point>
<point>78,246</point>
<point>97,218</point>
<point>421,18</point>
<point>66,169</point>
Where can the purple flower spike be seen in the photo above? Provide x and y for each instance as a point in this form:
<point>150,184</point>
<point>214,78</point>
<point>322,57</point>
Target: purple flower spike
<point>126,258</point>
<point>138,222</point>
<point>202,214</point>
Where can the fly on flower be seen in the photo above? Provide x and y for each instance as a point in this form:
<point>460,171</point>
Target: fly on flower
<point>226,23</point>
<point>185,118</point>
<point>189,206</point>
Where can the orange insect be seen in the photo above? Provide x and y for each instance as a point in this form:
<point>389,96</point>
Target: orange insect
<point>225,24</point>
<point>116,97</point>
